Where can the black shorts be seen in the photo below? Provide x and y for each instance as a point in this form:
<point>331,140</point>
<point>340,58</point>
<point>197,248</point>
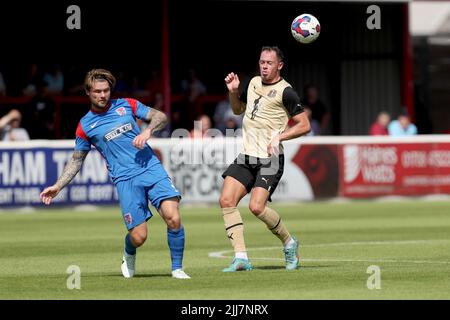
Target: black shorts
<point>257,172</point>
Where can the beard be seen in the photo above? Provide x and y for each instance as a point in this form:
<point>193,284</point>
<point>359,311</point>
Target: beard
<point>100,104</point>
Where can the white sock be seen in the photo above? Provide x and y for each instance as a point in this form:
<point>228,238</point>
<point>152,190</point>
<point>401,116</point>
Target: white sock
<point>290,243</point>
<point>241,255</point>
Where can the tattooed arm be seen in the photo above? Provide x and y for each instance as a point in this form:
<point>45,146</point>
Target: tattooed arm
<point>157,120</point>
<point>69,172</point>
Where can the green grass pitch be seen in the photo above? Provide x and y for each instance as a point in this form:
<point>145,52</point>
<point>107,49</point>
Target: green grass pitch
<point>409,241</point>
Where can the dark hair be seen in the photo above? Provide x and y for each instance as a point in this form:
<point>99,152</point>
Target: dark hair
<point>277,50</point>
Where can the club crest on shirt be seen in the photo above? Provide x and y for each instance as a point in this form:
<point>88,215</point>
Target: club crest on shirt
<point>272,93</point>
<point>121,111</point>
<point>128,218</point>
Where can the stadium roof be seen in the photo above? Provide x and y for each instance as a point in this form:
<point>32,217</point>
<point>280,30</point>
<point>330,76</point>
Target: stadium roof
<point>429,18</point>
<point>368,1</point>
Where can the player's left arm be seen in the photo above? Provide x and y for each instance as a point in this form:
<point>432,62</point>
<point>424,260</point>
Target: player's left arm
<point>301,127</point>
<point>291,101</point>
<point>157,120</point>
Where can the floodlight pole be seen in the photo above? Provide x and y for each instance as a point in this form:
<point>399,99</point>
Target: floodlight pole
<point>165,58</point>
<point>407,83</point>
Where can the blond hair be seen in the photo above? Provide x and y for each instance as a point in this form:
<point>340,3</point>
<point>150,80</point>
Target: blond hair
<point>99,75</point>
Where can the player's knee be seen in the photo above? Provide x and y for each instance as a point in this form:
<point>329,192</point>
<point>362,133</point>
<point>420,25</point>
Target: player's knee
<point>139,238</point>
<point>173,222</point>
<point>256,208</point>
<point>226,202</point>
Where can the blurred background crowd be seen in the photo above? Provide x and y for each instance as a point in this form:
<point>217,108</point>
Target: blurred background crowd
<point>36,89</point>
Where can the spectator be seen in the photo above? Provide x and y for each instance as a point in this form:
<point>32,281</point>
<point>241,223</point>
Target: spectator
<point>220,113</point>
<point>233,122</point>
<point>379,127</point>
<point>179,117</point>
<point>192,87</point>
<point>32,80</point>
<point>315,126</point>
<point>402,126</point>
<point>42,123</point>
<point>319,111</point>
<point>201,127</point>
<point>10,129</point>
<point>158,101</point>
<point>55,80</point>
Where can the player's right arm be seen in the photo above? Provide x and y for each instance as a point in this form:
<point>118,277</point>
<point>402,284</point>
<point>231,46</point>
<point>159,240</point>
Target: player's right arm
<point>232,82</point>
<point>70,171</point>
<point>82,147</point>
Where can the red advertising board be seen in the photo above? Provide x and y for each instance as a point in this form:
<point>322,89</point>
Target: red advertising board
<point>407,169</point>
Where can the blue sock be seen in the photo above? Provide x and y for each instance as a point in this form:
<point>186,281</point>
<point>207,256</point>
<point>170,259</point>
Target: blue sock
<point>129,247</point>
<point>175,239</point>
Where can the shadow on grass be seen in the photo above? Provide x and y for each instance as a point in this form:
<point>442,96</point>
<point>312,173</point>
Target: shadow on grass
<point>282,267</point>
<point>118,275</point>
<point>152,275</point>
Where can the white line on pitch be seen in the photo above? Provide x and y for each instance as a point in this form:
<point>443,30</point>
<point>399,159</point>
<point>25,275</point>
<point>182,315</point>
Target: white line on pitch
<point>223,254</point>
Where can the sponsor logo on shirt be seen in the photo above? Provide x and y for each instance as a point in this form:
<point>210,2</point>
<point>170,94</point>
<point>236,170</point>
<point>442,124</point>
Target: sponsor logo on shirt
<point>117,132</point>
